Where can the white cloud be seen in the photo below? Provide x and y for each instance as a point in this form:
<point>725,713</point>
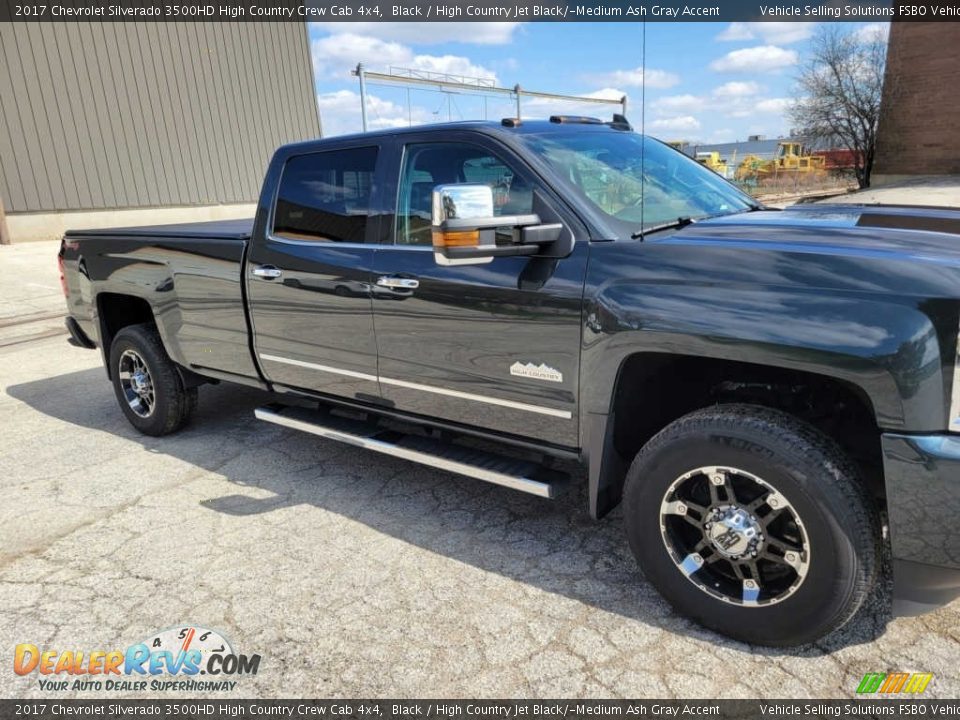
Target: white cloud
<point>736,89</point>
<point>772,33</point>
<point>774,105</point>
<point>335,55</point>
<point>736,31</point>
<point>873,31</point>
<point>735,99</point>
<point>723,135</point>
<point>673,128</point>
<point>475,33</point>
<point>606,94</point>
<point>452,65</point>
<point>672,104</point>
<point>340,113</point>
<point>636,78</point>
<point>763,58</point>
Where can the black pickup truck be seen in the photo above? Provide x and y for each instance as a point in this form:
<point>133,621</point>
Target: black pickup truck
<point>771,394</point>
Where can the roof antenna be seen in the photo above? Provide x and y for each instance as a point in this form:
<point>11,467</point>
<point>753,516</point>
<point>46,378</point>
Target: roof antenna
<point>643,127</point>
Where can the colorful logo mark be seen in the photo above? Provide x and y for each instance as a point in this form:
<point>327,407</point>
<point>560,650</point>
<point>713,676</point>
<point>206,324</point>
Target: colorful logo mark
<point>894,683</point>
<point>185,651</point>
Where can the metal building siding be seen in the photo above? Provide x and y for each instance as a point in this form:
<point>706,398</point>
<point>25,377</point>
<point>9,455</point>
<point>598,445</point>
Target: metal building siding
<point>122,115</point>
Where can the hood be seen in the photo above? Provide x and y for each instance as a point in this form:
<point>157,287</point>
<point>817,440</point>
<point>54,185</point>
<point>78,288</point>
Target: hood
<point>907,232</point>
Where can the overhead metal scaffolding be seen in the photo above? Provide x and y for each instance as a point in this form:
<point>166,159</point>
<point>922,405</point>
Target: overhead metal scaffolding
<point>445,82</point>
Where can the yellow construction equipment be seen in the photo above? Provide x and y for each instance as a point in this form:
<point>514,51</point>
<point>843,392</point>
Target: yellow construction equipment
<point>751,167</point>
<point>791,157</point>
<point>713,161</point>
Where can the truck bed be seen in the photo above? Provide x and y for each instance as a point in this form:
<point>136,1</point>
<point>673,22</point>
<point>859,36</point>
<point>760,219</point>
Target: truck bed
<point>187,278</point>
<point>212,229</point>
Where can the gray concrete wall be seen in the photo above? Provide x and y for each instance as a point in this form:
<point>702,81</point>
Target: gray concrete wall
<point>100,116</point>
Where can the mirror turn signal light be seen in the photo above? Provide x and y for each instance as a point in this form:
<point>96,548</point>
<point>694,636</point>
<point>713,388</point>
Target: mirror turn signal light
<point>456,238</point>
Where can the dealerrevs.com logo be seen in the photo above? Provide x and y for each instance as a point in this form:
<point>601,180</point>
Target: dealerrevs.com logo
<point>171,659</point>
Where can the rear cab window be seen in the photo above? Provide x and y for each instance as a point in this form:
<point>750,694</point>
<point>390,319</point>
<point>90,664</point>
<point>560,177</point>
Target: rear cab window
<point>325,196</point>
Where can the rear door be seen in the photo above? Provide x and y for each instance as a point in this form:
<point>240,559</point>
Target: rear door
<point>308,277</point>
<point>496,345</point>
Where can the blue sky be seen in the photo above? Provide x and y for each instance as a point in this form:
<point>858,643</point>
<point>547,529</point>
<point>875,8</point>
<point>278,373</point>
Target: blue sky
<point>708,82</point>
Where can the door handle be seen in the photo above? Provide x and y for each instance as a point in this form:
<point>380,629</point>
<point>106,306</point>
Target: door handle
<point>267,272</point>
<point>398,282</point>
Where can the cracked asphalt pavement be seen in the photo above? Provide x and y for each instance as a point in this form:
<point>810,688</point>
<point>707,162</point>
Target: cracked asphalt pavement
<point>355,574</point>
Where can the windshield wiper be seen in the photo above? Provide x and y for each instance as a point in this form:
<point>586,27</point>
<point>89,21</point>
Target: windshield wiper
<point>680,222</point>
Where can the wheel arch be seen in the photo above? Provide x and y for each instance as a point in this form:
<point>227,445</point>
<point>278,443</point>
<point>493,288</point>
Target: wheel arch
<point>116,311</point>
<point>653,389</point>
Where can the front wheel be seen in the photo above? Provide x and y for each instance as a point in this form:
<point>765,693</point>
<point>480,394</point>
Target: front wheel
<point>146,382</point>
<point>753,523</point>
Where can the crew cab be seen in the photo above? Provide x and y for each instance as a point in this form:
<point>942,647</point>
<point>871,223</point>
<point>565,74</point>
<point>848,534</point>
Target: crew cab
<point>771,394</point>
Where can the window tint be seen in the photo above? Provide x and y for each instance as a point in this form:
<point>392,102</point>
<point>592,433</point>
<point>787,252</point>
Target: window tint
<point>428,165</point>
<point>326,196</point>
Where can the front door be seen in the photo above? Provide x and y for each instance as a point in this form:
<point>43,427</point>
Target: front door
<point>494,345</point>
<point>309,278</point>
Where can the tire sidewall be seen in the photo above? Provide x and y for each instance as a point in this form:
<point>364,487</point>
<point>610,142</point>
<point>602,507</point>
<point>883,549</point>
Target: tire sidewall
<point>131,339</point>
<point>830,580</point>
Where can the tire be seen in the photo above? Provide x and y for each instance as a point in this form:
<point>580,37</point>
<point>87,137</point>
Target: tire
<point>167,405</point>
<point>774,460</point>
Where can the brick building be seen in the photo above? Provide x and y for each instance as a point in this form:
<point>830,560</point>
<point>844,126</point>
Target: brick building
<point>921,105</point>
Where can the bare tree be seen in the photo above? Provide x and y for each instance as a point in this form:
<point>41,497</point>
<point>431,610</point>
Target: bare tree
<point>840,89</point>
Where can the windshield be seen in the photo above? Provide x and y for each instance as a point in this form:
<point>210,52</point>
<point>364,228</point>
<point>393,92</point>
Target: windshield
<point>618,171</point>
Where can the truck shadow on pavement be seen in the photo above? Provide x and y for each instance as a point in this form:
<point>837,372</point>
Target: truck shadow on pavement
<point>550,545</point>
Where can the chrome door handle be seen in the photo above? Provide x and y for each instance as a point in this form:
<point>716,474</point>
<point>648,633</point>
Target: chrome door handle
<point>398,282</point>
<point>267,272</point>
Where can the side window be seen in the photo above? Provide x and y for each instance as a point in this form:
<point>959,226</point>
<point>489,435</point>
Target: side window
<point>325,196</point>
<point>428,165</point>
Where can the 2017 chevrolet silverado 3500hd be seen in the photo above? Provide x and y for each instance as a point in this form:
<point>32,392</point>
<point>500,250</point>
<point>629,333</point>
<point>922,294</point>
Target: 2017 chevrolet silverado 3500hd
<point>763,390</point>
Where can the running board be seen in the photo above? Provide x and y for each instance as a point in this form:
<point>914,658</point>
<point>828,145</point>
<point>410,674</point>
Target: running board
<point>523,475</point>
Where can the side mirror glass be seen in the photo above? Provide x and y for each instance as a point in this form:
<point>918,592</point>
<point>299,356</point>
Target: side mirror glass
<point>466,201</point>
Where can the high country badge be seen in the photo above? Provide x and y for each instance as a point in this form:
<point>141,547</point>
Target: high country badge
<point>537,372</point>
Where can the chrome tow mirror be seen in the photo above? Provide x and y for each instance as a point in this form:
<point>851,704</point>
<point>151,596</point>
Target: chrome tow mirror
<point>465,227</point>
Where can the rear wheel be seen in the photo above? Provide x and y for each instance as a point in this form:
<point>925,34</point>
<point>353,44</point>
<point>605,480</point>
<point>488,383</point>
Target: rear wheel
<point>753,523</point>
<point>147,384</point>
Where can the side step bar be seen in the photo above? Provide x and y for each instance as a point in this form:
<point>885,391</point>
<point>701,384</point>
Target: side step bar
<point>510,472</point>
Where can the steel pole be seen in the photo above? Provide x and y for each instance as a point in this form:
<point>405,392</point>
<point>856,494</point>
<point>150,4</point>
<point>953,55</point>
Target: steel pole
<point>363,96</point>
<point>516,89</point>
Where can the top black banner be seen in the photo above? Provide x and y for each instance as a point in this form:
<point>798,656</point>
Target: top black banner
<point>347,11</point>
